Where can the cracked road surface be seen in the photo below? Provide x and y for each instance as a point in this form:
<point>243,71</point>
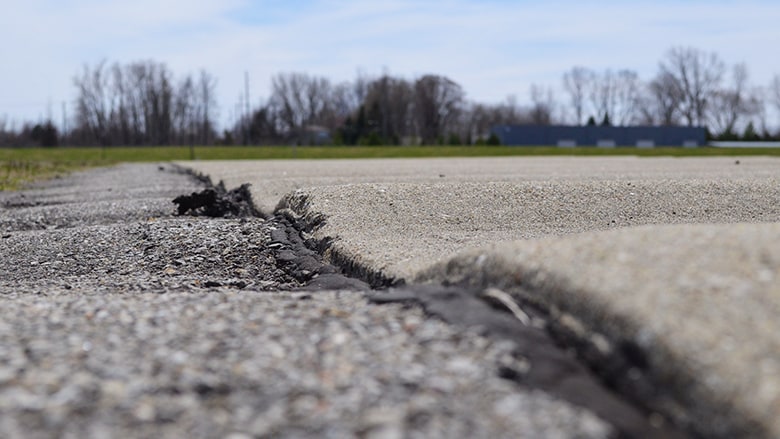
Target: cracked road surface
<point>118,319</point>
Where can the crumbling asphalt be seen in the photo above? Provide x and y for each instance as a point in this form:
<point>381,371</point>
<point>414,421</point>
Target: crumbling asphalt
<point>120,319</point>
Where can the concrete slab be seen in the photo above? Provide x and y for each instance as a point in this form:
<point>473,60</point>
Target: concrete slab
<point>275,178</point>
<point>700,301</point>
<point>686,295</point>
<point>396,217</point>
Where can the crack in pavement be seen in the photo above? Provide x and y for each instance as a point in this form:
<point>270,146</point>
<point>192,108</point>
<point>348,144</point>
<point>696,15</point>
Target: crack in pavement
<point>172,256</point>
<point>543,354</point>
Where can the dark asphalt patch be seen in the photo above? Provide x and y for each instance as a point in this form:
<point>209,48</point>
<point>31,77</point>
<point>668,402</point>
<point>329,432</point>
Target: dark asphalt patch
<point>217,202</point>
<point>301,258</point>
<point>545,364</point>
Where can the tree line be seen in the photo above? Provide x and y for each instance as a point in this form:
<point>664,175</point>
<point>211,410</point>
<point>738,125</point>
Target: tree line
<point>139,103</point>
<point>142,103</point>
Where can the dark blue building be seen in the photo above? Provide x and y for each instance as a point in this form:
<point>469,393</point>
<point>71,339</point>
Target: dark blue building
<point>604,136</point>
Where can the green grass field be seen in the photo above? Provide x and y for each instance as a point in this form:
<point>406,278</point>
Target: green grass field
<point>22,165</point>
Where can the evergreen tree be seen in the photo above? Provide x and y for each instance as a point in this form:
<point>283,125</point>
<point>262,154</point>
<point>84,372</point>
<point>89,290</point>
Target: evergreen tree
<point>45,135</point>
<point>750,133</point>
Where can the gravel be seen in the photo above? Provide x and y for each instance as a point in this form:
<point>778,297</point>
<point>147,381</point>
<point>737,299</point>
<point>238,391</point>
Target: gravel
<point>118,319</point>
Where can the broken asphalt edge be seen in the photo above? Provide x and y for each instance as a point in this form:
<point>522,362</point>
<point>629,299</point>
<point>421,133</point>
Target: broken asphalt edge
<point>295,252</point>
<point>297,206</point>
<point>670,392</point>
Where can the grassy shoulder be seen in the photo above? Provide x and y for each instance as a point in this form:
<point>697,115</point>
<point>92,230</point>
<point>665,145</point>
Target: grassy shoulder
<point>21,165</point>
<point>167,153</point>
<point>14,174</point>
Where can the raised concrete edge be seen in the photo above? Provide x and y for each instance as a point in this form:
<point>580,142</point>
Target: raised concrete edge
<point>298,205</point>
<point>716,410</point>
<point>697,303</point>
<point>549,272</point>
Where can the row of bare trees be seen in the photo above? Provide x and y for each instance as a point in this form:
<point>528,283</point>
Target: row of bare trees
<point>141,104</point>
<point>386,109</point>
<point>692,87</point>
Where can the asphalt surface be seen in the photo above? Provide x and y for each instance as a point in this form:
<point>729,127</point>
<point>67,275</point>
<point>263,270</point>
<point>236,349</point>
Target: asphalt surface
<point>685,302</point>
<point>120,319</point>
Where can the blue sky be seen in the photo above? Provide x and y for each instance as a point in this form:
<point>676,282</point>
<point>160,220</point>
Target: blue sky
<point>493,48</point>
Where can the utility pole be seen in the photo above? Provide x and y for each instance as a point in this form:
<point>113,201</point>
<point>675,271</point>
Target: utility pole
<point>246,102</point>
<point>64,121</point>
<point>240,131</point>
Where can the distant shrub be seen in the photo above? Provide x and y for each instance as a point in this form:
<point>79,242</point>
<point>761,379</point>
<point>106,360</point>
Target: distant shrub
<point>493,140</point>
<point>372,139</point>
<point>44,135</point>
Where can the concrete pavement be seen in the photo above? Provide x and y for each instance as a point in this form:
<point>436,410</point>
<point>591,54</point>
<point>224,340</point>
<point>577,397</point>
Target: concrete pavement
<point>692,304</point>
<point>700,302</point>
<point>398,216</point>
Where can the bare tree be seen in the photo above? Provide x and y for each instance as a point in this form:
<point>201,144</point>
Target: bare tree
<point>134,76</point>
<point>576,82</point>
<point>604,95</point>
<point>696,76</point>
<point>627,91</point>
<point>119,121</point>
<point>478,119</point>
<point>612,96</point>
<point>299,100</point>
<point>774,92</point>
<point>471,122</point>
<point>774,89</point>
<point>206,105</point>
<point>136,103</point>
<point>662,102</point>
<point>542,105</point>
<point>184,112</point>
<point>344,101</point>
<point>733,103</point>
<point>91,105</point>
<point>360,87</point>
<point>438,101</point>
<point>389,102</point>
<point>153,84</point>
<point>7,136</point>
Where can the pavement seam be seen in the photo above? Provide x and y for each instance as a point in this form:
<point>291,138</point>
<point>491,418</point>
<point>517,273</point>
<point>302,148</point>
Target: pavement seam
<point>609,349</point>
<point>295,207</point>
